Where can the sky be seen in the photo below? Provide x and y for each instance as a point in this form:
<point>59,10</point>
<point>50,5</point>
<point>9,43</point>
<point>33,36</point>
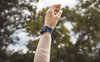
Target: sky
<point>45,3</point>
<point>20,45</point>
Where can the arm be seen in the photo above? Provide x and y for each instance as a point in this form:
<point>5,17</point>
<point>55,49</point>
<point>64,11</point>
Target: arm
<point>43,49</point>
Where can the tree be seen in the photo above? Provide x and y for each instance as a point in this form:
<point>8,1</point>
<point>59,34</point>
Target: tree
<point>85,20</point>
<point>13,16</point>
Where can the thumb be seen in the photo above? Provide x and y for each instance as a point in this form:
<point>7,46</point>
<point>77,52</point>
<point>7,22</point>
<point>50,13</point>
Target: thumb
<point>59,13</point>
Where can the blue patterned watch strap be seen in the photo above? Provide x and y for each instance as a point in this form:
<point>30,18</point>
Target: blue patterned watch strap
<point>46,29</point>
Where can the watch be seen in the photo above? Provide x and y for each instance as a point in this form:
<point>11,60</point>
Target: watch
<point>46,29</point>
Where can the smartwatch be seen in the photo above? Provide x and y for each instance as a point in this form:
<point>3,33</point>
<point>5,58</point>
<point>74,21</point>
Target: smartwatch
<point>46,29</point>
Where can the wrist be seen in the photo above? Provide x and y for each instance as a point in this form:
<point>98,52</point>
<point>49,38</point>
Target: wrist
<point>50,26</point>
<point>46,34</point>
<point>46,29</point>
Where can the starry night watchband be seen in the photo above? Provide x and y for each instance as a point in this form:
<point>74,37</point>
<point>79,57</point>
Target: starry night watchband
<point>46,29</point>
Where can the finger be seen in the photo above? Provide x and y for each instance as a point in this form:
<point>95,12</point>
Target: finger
<point>55,13</point>
<point>50,10</point>
<point>59,13</point>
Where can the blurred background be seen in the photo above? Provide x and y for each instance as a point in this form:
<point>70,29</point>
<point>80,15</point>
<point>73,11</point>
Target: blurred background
<point>75,39</point>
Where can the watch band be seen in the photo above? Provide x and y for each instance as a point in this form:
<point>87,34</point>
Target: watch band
<point>46,29</point>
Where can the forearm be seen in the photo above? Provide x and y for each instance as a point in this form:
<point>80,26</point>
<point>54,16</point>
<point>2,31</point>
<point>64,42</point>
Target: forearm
<point>43,49</point>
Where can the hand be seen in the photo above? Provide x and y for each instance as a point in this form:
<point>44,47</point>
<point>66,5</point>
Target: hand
<point>52,19</point>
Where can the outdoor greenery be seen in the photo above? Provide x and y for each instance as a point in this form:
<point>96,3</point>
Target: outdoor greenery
<point>86,26</point>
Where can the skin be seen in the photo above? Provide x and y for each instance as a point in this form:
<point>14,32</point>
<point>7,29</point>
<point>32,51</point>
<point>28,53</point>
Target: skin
<point>43,50</point>
<point>51,19</point>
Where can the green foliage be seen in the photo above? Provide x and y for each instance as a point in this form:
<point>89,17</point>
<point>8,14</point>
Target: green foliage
<point>84,19</point>
<point>11,19</point>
